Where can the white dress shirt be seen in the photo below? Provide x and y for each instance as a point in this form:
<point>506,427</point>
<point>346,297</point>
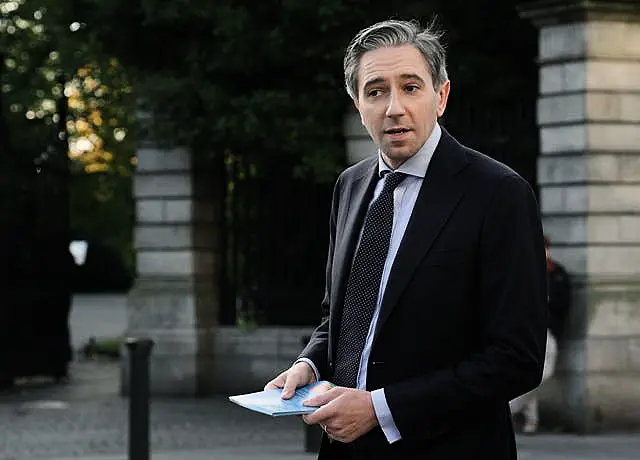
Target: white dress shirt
<point>404,199</point>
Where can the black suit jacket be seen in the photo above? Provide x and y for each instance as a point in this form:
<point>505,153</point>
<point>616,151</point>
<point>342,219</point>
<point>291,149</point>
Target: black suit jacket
<point>462,327</point>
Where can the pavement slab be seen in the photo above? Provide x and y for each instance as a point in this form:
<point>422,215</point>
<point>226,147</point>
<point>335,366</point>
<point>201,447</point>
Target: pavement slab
<point>87,419</point>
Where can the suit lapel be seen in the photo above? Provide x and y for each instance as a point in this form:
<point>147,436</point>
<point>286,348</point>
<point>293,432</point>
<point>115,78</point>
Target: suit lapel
<point>440,193</point>
<point>357,202</point>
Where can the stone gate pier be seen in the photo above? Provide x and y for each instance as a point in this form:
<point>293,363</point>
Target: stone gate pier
<point>589,178</point>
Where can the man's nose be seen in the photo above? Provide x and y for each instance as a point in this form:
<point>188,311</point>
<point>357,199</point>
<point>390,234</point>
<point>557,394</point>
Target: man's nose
<point>396,105</point>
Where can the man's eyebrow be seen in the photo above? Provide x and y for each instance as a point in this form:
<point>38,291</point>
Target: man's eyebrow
<point>374,81</point>
<point>412,76</point>
<point>404,76</point>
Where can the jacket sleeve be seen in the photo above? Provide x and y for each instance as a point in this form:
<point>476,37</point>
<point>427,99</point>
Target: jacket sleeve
<point>512,301</point>
<point>317,350</point>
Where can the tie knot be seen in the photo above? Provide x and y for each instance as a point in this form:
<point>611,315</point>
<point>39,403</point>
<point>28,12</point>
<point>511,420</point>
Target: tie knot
<point>392,179</point>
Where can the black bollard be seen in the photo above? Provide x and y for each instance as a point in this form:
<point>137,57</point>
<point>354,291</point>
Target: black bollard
<point>139,353</point>
<point>312,433</point>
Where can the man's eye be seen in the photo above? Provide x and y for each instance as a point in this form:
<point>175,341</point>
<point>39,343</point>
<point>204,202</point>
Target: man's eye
<point>412,88</point>
<point>374,93</point>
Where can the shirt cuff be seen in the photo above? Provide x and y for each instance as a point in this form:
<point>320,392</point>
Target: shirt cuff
<point>385,419</point>
<point>310,363</point>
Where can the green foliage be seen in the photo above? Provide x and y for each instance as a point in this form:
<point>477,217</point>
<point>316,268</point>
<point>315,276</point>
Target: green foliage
<point>265,81</point>
<point>101,208</point>
<point>259,84</point>
<point>44,54</point>
<point>250,81</point>
<point>108,347</point>
<point>262,81</point>
<point>29,87</point>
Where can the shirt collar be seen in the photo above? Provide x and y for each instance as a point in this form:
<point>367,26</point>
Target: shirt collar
<point>416,165</point>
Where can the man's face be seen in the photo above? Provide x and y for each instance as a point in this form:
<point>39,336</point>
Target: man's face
<point>397,102</point>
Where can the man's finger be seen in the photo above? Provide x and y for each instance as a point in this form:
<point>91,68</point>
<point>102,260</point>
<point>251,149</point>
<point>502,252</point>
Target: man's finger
<point>290,386</point>
<point>321,415</point>
<point>323,398</point>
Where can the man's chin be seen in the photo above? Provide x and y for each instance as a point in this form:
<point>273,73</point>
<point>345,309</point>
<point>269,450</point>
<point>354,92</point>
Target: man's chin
<point>396,156</point>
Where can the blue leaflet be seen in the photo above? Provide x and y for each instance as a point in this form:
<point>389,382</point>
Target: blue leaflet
<point>269,402</point>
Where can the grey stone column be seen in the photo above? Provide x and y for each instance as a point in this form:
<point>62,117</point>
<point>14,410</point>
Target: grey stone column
<point>175,298</point>
<point>589,177</point>
<point>358,142</point>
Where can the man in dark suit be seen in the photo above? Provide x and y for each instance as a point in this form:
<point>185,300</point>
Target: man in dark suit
<point>434,315</point>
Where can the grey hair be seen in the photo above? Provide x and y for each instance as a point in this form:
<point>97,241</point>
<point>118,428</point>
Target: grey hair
<point>390,34</point>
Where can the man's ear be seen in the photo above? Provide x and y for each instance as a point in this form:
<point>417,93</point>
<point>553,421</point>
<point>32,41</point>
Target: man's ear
<point>357,106</point>
<point>443,97</point>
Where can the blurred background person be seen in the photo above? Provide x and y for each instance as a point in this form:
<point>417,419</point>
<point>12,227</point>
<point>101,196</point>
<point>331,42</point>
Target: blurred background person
<point>559,301</point>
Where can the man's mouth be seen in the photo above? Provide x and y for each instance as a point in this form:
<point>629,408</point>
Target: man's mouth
<point>396,131</point>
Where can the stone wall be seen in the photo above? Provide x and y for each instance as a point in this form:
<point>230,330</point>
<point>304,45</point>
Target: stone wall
<point>589,177</point>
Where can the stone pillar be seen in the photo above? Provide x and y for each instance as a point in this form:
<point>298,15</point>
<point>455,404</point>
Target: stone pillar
<point>589,177</point>
<point>175,298</point>
<point>358,141</point>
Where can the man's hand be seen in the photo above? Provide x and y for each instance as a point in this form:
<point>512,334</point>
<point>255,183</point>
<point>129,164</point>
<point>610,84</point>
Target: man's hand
<point>345,413</point>
<point>296,376</point>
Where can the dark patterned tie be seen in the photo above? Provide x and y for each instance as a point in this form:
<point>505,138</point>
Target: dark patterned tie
<point>363,285</point>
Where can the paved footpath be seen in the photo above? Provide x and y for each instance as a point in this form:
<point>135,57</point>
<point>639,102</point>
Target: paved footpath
<point>86,419</point>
